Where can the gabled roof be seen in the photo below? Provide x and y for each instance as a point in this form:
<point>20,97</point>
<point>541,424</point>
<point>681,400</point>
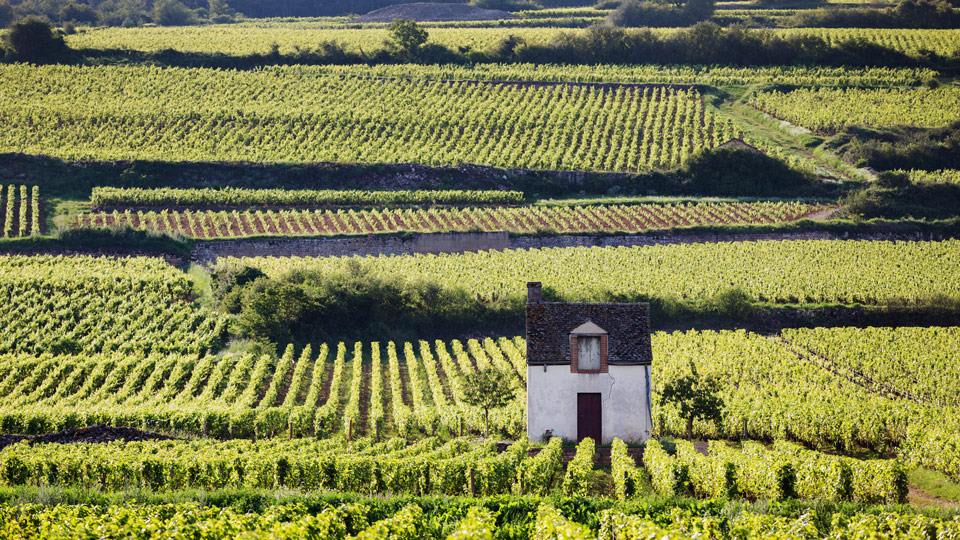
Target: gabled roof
<point>588,328</point>
<point>627,327</point>
<point>739,143</point>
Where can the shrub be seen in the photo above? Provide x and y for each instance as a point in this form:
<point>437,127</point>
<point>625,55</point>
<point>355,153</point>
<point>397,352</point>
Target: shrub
<point>505,50</point>
<point>733,303</point>
<point>228,279</point>
<point>407,35</point>
<point>33,39</point>
<point>742,172</point>
<point>889,198</point>
<point>171,13</point>
<point>305,307</point>
<point>900,147</point>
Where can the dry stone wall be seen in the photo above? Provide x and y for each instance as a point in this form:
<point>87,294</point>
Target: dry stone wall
<point>208,251</point>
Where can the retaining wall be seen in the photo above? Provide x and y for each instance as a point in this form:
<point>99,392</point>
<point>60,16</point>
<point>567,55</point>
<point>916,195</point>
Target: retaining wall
<point>209,251</point>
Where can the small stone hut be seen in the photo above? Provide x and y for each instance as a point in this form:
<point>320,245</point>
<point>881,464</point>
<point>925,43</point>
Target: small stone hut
<point>588,369</point>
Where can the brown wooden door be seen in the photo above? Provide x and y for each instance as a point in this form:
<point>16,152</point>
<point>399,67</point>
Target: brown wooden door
<point>589,417</point>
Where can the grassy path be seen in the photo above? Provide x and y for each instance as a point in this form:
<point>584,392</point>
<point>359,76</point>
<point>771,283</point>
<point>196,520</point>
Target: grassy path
<point>794,140</point>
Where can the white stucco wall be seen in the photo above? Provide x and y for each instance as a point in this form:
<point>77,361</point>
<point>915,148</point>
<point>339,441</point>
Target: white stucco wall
<point>625,398</point>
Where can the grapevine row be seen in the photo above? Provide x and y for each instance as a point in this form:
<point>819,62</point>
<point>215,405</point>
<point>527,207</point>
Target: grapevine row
<point>19,210</point>
<point>454,468</point>
<point>112,196</point>
<point>559,220</point>
<point>468,520</point>
<point>787,471</point>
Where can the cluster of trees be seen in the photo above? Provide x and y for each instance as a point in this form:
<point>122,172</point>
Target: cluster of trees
<point>906,14</point>
<point>636,13</point>
<point>117,12</point>
<point>703,43</point>
<point>900,147</point>
<point>312,307</point>
<point>895,196</point>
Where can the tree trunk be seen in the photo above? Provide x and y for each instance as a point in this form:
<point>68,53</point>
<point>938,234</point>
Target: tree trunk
<point>487,421</point>
<point>690,428</point>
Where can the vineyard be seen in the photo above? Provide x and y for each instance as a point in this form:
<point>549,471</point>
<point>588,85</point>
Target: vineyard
<point>912,42</point>
<point>198,114</point>
<point>20,211</point>
<point>479,519</point>
<point>828,110</point>
<point>787,471</point>
<point>779,272</point>
<point>156,383</point>
<point>74,304</point>
<point>257,38</point>
<point>404,390</point>
<point>415,390</point>
<point>455,468</point>
<point>560,220</point>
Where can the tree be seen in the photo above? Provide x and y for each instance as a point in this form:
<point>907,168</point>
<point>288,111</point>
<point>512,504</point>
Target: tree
<point>488,389</point>
<point>407,35</point>
<point>220,12</point>
<point>171,13</point>
<point>78,13</point>
<point>699,10</point>
<point>6,13</point>
<point>661,12</point>
<point>33,39</point>
<point>695,396</point>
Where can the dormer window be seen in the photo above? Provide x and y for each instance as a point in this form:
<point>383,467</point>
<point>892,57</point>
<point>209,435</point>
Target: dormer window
<point>588,348</point>
<point>588,353</point>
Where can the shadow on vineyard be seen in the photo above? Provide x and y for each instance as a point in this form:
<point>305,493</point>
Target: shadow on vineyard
<point>106,241</point>
<point>312,307</point>
<point>901,147</point>
<point>721,172</point>
<point>895,196</point>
